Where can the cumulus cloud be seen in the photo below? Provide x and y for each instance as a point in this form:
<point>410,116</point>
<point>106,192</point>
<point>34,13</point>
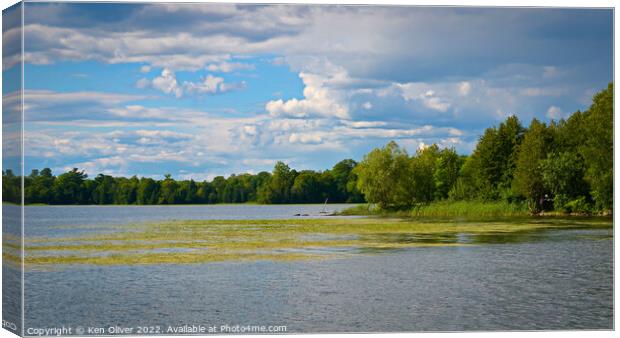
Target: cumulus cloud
<point>167,83</point>
<point>211,84</point>
<point>419,92</point>
<point>319,100</point>
<point>305,138</point>
<point>555,113</point>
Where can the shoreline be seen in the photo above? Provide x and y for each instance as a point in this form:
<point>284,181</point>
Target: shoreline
<point>171,205</point>
<point>463,209</point>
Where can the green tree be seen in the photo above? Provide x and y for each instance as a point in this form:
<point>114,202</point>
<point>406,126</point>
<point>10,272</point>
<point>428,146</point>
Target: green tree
<point>423,167</point>
<point>468,185</point>
<point>446,172</point>
<point>562,175</point>
<point>307,187</point>
<point>148,191</point>
<point>528,178</point>
<point>342,175</point>
<point>495,158</point>
<point>127,190</point>
<point>39,189</point>
<point>11,187</point>
<point>509,136</point>
<point>68,188</point>
<point>384,177</point>
<point>105,189</point>
<point>278,189</point>
<point>168,193</point>
<point>188,192</point>
<point>597,149</point>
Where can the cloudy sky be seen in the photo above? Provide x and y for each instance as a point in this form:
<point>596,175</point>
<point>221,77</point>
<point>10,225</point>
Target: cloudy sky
<point>199,90</point>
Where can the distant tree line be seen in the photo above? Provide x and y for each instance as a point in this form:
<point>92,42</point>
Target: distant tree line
<point>283,185</point>
<point>566,165</point>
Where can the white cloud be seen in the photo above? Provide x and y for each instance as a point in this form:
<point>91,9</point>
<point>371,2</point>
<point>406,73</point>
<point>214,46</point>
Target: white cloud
<point>227,67</point>
<point>145,69</point>
<point>319,100</point>
<point>306,138</point>
<point>464,88</point>
<point>543,91</point>
<point>432,101</point>
<point>210,85</point>
<point>555,113</point>
<point>364,124</point>
<point>501,114</point>
<point>51,106</point>
<point>167,83</point>
<point>419,92</point>
<point>143,83</point>
<point>226,87</point>
<point>367,105</point>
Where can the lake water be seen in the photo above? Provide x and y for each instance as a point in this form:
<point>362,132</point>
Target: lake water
<point>559,279</point>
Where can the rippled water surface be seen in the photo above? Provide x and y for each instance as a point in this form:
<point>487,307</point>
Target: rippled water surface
<point>553,279</point>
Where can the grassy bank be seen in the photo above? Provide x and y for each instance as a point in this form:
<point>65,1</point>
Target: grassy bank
<point>445,209</point>
<point>205,241</point>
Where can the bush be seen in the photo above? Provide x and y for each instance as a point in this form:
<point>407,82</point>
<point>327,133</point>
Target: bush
<point>579,205</point>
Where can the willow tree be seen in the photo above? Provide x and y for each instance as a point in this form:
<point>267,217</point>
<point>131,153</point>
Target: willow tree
<point>384,177</point>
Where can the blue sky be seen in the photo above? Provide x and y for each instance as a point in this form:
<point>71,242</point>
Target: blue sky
<point>200,90</point>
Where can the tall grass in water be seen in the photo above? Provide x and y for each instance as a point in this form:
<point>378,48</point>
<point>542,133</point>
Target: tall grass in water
<point>445,208</point>
<point>470,208</point>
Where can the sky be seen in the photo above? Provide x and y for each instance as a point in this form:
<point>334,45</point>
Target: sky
<point>201,90</point>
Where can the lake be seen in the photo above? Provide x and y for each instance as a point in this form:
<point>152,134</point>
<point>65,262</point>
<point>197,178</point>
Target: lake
<point>550,278</point>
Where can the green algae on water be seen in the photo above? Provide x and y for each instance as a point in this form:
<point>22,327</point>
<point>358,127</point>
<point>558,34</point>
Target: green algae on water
<point>205,241</point>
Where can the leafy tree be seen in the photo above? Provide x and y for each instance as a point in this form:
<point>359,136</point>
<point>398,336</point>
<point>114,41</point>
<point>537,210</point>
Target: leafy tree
<point>148,191</point>
<point>278,189</point>
<point>219,185</point>
<point>39,187</point>
<point>307,187</point>
<point>597,149</point>
<point>203,192</point>
<point>105,189</point>
<point>468,185</point>
<point>423,167</point>
<point>168,190</point>
<point>68,188</point>
<point>342,173</point>
<point>528,178</point>
<point>562,174</point>
<point>11,187</point>
<point>127,190</point>
<point>186,192</point>
<point>495,158</point>
<point>384,177</point>
<point>446,172</point>
<point>510,135</point>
